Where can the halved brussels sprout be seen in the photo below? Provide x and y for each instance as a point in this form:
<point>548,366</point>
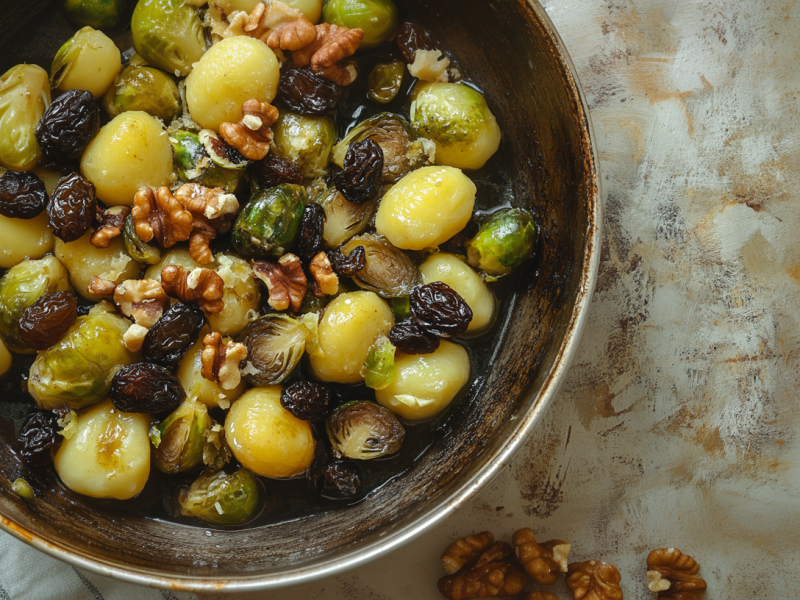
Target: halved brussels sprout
<point>100,14</point>
<point>168,34</point>
<point>377,18</point>
<point>222,498</point>
<point>378,369</point>
<point>505,241</point>
<point>269,222</point>
<point>220,153</point>
<point>305,141</point>
<point>180,438</point>
<point>79,368</point>
<point>194,165</point>
<point>135,247</point>
<point>146,89</point>
<point>20,287</point>
<point>275,344</point>
<point>343,219</point>
<point>364,430</point>
<point>389,271</point>
<point>385,81</point>
<point>24,96</point>
<point>89,60</point>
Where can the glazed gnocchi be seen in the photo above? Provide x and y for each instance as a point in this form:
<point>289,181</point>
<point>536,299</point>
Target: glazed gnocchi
<point>88,61</point>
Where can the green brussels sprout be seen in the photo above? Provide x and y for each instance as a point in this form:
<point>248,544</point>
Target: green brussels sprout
<point>457,118</point>
<point>222,498</point>
<point>275,344</point>
<point>269,222</point>
<point>364,430</point>
<point>378,369</point>
<point>401,307</point>
<point>135,247</point>
<point>385,81</point>
<point>305,141</point>
<point>194,165</point>
<point>146,89</point>
<point>389,271</point>
<point>168,34</point>
<point>378,18</point>
<point>179,439</point>
<point>505,241</point>
<point>78,369</point>
<point>24,96</point>
<point>20,287</point>
<point>402,151</point>
<point>343,219</point>
<point>100,14</point>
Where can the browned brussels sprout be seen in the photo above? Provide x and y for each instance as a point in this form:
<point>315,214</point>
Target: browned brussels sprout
<point>389,272</point>
<point>275,344</point>
<point>364,430</point>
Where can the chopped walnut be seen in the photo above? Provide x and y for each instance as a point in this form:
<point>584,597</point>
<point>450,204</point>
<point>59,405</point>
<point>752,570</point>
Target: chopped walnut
<point>429,65</point>
<point>252,135</point>
<point>674,575</point>
<point>142,299</point>
<point>212,203</point>
<point>545,562</point>
<point>221,361</point>
<point>101,287</point>
<point>494,574</point>
<point>333,44</point>
<point>201,286</point>
<point>285,281</point>
<point>326,282</point>
<point>157,214</point>
<point>134,337</point>
<point>110,226</point>
<point>276,24</point>
<point>594,580</point>
<point>465,550</point>
<point>539,594</point>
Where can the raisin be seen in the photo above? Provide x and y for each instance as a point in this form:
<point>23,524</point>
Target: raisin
<point>173,334</point>
<point>412,339</point>
<point>307,401</point>
<point>310,242</point>
<point>146,388</point>
<point>22,195</point>
<point>337,480</point>
<point>348,265</point>
<point>45,321</point>
<point>83,309</point>
<point>272,171</point>
<point>410,38</point>
<point>72,208</point>
<point>305,92</point>
<point>39,438</point>
<point>360,179</point>
<point>438,309</point>
<point>68,125</point>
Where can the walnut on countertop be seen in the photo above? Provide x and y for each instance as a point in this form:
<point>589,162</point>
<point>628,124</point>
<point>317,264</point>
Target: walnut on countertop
<point>109,226</point>
<point>220,361</point>
<point>253,134</point>
<point>545,562</point>
<point>465,550</point>
<point>157,214</point>
<point>276,24</point>
<point>674,575</point>
<point>327,52</point>
<point>495,573</point>
<point>541,595</point>
<point>200,286</point>
<point>594,580</point>
<point>286,283</point>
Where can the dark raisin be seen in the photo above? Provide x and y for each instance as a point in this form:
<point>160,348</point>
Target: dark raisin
<point>272,171</point>
<point>348,265</point>
<point>438,309</point>
<point>410,38</point>
<point>83,309</point>
<point>412,339</point>
<point>337,480</point>
<point>22,195</point>
<point>146,388</point>
<point>310,242</point>
<point>305,92</point>
<point>45,321</point>
<point>173,334</point>
<point>72,208</point>
<point>307,401</point>
<point>68,126</point>
<point>39,438</point>
<point>360,179</point>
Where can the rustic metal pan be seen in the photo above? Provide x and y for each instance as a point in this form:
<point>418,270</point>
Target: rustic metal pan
<point>514,54</point>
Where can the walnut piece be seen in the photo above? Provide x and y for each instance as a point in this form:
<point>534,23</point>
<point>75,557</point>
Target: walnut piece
<point>142,299</point>
<point>157,214</point>
<point>325,282</point>
<point>545,562</point>
<point>221,361</point>
<point>674,575</point>
<point>486,572</point>
<point>252,135</point>
<point>101,287</point>
<point>333,44</point>
<point>201,286</point>
<point>539,594</point>
<point>110,226</point>
<point>594,580</point>
<point>285,281</point>
<point>134,337</point>
<point>429,65</point>
<point>465,550</point>
<point>276,24</point>
<point>211,203</point>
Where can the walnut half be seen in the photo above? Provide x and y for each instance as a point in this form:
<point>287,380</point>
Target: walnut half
<point>326,282</point>
<point>221,361</point>
<point>541,595</point>
<point>252,135</point>
<point>201,286</point>
<point>157,214</point>
<point>276,24</point>
<point>674,575</point>
<point>111,221</point>
<point>545,562</point>
<point>144,300</point>
<point>494,574</point>
<point>594,580</point>
<point>327,52</point>
<point>285,281</point>
<point>465,550</point>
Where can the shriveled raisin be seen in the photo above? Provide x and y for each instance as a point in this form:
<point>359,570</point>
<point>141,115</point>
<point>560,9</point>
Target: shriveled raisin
<point>305,92</point>
<point>348,265</point>
<point>46,321</point>
<point>412,339</point>
<point>273,170</point>
<point>68,125</point>
<point>173,334</point>
<point>360,179</point>
<point>72,208</point>
<point>39,438</point>
<point>337,480</point>
<point>310,241</point>
<point>439,309</point>
<point>146,388</point>
<point>22,195</point>
<point>307,401</point>
<point>412,37</point>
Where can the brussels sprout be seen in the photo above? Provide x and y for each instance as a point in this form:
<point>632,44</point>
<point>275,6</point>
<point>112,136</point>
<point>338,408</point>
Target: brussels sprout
<point>222,498</point>
<point>505,241</point>
<point>401,307</point>
<point>343,219</point>
<point>457,118</point>
<point>378,18</point>
<point>305,141</point>
<point>168,34</point>
<point>389,271</point>
<point>275,344</point>
<point>402,151</point>
<point>100,14</point>
<point>269,222</point>
<point>78,369</point>
<point>220,153</point>
<point>135,247</point>
<point>24,96</point>
<point>385,81</point>
<point>378,369</point>
<point>89,60</point>
<point>146,89</point>
<point>364,430</point>
<point>194,165</point>
<point>180,438</point>
<point>20,287</point>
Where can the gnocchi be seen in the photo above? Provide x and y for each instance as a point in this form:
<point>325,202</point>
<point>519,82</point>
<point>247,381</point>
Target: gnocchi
<point>88,61</point>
